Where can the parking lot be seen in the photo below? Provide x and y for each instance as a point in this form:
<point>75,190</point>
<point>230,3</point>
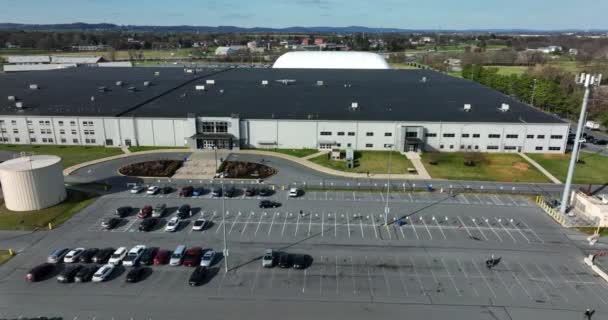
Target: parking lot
<point>436,258</point>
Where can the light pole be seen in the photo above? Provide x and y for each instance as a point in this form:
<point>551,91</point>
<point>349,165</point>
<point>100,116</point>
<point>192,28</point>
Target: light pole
<point>589,81</point>
<point>215,150</point>
<point>224,223</point>
<point>388,187</point>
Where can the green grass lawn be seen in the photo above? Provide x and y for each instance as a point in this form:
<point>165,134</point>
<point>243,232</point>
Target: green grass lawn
<point>397,65</point>
<point>300,153</point>
<point>30,220</point>
<point>137,149</point>
<point>369,161</point>
<point>491,167</point>
<point>594,170</point>
<point>4,256</point>
<point>70,155</point>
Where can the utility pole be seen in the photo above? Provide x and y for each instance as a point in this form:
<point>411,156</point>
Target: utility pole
<point>225,253</point>
<point>388,187</point>
<point>589,81</point>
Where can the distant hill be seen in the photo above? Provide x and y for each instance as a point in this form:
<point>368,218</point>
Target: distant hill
<point>81,26</point>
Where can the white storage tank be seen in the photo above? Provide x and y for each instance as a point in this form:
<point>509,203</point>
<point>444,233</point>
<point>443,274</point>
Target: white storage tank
<point>32,183</point>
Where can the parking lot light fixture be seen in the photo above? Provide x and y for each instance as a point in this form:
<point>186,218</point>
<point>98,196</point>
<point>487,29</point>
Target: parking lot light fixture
<point>388,186</point>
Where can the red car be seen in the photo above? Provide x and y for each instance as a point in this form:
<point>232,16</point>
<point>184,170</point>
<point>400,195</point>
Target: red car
<point>192,258</point>
<point>186,191</point>
<point>145,212</point>
<point>162,257</point>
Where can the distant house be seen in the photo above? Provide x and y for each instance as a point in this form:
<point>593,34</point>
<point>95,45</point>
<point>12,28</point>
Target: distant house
<point>548,50</point>
<point>90,47</point>
<point>427,39</point>
<point>28,59</point>
<point>252,44</point>
<point>453,64</point>
<point>226,51</point>
<point>573,52</point>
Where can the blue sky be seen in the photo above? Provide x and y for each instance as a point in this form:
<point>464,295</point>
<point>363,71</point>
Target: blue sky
<point>428,14</point>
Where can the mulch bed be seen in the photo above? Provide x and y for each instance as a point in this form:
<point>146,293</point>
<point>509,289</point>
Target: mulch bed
<point>157,168</point>
<point>246,170</point>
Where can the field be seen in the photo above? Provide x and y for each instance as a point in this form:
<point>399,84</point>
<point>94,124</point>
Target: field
<point>369,161</point>
<point>30,220</point>
<point>491,167</point>
<point>594,170</point>
<point>300,153</point>
<point>70,155</point>
<point>118,54</point>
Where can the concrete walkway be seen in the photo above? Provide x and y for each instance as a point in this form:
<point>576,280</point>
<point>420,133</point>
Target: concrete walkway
<point>314,155</point>
<point>414,157</point>
<point>541,169</point>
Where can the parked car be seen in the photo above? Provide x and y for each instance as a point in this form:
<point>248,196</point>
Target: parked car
<point>192,257</point>
<point>57,255</point>
<point>269,259</point>
<point>269,204</point>
<point>173,224</point>
<point>162,257</point>
<point>68,273</point>
<point>85,274</point>
<point>198,192</point>
<point>147,224</point>
<point>186,191</point>
<point>73,255</point>
<point>136,274</point>
<point>265,192</point>
<point>251,192</point>
<point>284,260</point>
<point>153,190</point>
<point>166,190</point>
<point>230,192</point>
<point>87,255</point>
<point>198,276</point>
<point>117,256</point>
<point>184,211</point>
<point>199,224</point>
<point>159,210</point>
<point>300,261</point>
<point>137,189</point>
<point>123,211</point>
<point>601,142</point>
<point>133,256</point>
<point>102,256</point>
<point>294,192</point>
<point>147,257</point>
<point>39,272</point>
<point>110,223</point>
<point>216,192</point>
<point>208,258</point>
<point>103,273</point>
<point>145,212</point>
<point>177,255</point>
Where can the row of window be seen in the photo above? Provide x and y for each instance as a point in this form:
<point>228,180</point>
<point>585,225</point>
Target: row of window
<point>48,131</point>
<point>506,148</point>
<point>48,123</point>
<point>338,145</point>
<point>214,127</point>
<point>351,133</point>
<point>493,136</point>
<point>47,140</point>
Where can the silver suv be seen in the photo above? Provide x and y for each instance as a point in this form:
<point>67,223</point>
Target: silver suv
<point>159,210</point>
<point>268,259</point>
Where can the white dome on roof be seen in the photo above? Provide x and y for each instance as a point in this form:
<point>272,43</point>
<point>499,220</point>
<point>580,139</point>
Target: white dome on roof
<point>330,60</point>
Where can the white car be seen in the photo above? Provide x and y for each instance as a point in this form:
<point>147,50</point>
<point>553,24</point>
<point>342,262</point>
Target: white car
<point>117,256</point>
<point>173,224</point>
<point>199,224</point>
<point>103,273</point>
<point>133,256</point>
<point>294,192</point>
<point>137,189</point>
<point>208,258</point>
<point>153,190</point>
<point>73,255</point>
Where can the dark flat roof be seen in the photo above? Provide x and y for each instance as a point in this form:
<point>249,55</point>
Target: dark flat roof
<point>382,95</point>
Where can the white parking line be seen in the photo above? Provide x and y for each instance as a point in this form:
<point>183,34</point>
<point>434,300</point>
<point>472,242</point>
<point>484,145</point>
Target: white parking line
<point>337,277</point>
<point>310,224</point>
<point>255,278</point>
<point>414,228</point>
<point>451,277</point>
<point>487,221</point>
<point>466,275</point>
<point>483,277</point>
<point>251,214</point>
<point>464,226</point>
<point>335,224</point>
<point>304,281</point>
<point>567,281</point>
<point>374,225</point>
<point>284,224</point>
<point>422,290</point>
<point>322,224</point>
<point>347,224</point>
<point>402,233</point>
<point>361,224</point>
<point>478,228</point>
<point>297,225</point>
<point>321,277</point>
<point>586,283</point>
<point>533,232</point>
<point>427,228</point>
<point>259,223</point>
<point>386,282</point>
<point>518,281</point>
<point>437,223</point>
<point>550,281</point>
<point>519,230</point>
<point>236,217</point>
<point>428,263</point>
<point>369,278</point>
<point>499,220</point>
<point>390,236</point>
<point>352,269</point>
<point>272,222</point>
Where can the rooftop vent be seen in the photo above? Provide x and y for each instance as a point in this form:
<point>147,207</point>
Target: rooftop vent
<point>354,106</point>
<point>286,81</point>
<point>132,89</point>
<point>19,105</point>
<point>146,83</point>
<point>467,107</point>
<point>92,98</point>
<point>199,87</point>
<point>157,73</point>
<point>210,82</point>
<point>12,98</point>
<point>34,86</point>
<point>320,83</point>
<point>102,89</point>
<point>504,107</point>
<point>264,82</point>
<point>188,71</point>
<point>119,83</point>
<point>423,80</point>
<point>221,91</point>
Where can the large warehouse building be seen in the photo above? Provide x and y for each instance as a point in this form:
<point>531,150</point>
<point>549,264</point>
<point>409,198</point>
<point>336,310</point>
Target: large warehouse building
<point>288,107</point>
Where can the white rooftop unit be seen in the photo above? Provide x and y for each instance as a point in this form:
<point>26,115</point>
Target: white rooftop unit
<point>119,83</point>
<point>264,82</point>
<point>320,83</point>
<point>330,60</point>
<point>12,98</point>
<point>467,107</point>
<point>504,107</point>
<point>146,83</point>
<point>199,87</point>
<point>210,82</point>
<point>354,106</point>
<point>34,86</point>
<point>19,105</point>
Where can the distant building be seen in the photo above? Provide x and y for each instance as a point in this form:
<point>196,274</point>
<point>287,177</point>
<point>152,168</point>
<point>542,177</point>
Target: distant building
<point>427,40</point>
<point>28,59</point>
<point>90,47</point>
<point>548,50</point>
<point>573,52</point>
<point>252,44</point>
<point>453,64</point>
<point>226,51</point>
<point>319,41</point>
<point>9,45</point>
<point>77,59</point>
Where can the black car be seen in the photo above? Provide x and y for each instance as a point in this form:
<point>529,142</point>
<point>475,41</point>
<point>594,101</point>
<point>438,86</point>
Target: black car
<point>284,260</point>
<point>184,211</point>
<point>40,272</point>
<point>68,273</point>
<point>166,190</point>
<point>136,274</point>
<point>102,256</point>
<point>216,192</point>
<point>300,261</point>
<point>87,255</point>
<point>265,192</point>
<point>123,211</point>
<point>147,224</point>
<point>85,274</point>
<point>147,257</point>
<point>230,192</point>
<point>601,142</point>
<point>110,223</point>
<point>251,192</point>
<point>269,204</point>
<point>198,276</point>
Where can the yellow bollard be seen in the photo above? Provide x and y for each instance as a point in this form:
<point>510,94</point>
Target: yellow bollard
<point>50,226</point>
<point>10,252</point>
